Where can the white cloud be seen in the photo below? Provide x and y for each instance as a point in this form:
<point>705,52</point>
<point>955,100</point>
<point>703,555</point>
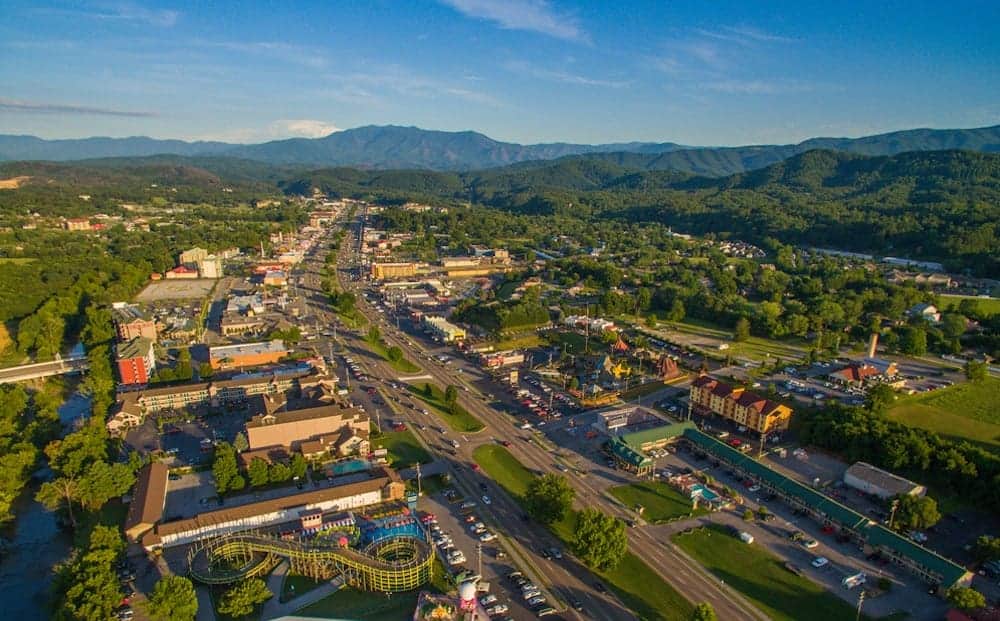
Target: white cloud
<point>524,68</point>
<point>120,11</point>
<point>531,15</point>
<point>281,51</point>
<point>277,130</point>
<point>34,107</point>
<point>305,128</point>
<point>758,87</point>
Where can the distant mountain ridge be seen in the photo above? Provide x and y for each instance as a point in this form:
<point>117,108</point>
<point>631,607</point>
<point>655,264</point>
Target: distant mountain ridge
<point>395,147</point>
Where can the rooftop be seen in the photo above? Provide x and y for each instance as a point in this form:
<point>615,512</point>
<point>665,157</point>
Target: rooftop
<point>886,480</point>
<point>136,348</point>
<point>150,493</point>
<point>294,416</point>
<point>276,346</point>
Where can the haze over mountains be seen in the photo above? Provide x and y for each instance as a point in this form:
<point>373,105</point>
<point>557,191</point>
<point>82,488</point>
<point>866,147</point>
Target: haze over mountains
<point>395,147</point>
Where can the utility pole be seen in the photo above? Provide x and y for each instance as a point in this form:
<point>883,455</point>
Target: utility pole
<point>418,479</point>
<point>861,602</point>
<point>479,558</point>
<point>892,513</point>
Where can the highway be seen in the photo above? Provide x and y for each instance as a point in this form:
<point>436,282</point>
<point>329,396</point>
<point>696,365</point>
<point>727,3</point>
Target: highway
<point>567,578</point>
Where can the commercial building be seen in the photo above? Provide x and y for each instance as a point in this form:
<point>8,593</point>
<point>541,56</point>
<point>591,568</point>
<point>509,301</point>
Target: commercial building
<point>181,271</point>
<point>335,426</point>
<point>275,278</point>
<point>353,491</point>
<point>135,360</point>
<point>739,405</point>
<point>497,360</point>
<point>871,480</point>
<point>192,257</point>
<point>210,267</point>
<point>247,354</point>
<point>444,330</point>
<point>148,500</point>
<point>131,322</point>
<point>132,407</point>
<point>382,271</point>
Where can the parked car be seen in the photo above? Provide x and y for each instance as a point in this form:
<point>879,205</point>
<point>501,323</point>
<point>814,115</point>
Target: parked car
<point>820,561</point>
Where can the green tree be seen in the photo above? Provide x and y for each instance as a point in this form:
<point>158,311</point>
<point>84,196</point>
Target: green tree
<point>88,585</point>
<point>224,468</point>
<point>913,341</point>
<point>976,371</point>
<point>879,398</point>
<point>394,354</point>
<point>205,371</point>
<point>173,599</point>
<point>374,334</point>
<point>240,442</point>
<point>240,600</point>
<point>574,383</point>
<point>102,482</point>
<point>742,330</point>
<point>965,598</point>
<point>257,471</point>
<point>703,612</point>
<point>762,512</point>
<point>748,514</point>
<point>451,394</point>
<point>298,465</point>
<point>987,548</point>
<point>279,473</point>
<point>600,540</point>
<point>953,325</point>
<point>549,498</point>
<point>71,460</point>
<point>915,513</point>
<point>428,390</point>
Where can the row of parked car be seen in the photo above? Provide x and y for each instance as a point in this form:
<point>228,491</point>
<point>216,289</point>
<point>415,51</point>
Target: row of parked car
<point>531,594</point>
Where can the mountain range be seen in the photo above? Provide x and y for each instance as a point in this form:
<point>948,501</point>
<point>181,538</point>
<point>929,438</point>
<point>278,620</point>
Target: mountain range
<point>395,147</point>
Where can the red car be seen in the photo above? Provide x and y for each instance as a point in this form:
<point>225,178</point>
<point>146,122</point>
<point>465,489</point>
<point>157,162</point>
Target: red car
<point>475,467</point>
<point>505,443</point>
<point>735,442</point>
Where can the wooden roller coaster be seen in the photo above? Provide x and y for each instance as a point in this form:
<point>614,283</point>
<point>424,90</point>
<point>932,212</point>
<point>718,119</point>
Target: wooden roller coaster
<point>390,565</point>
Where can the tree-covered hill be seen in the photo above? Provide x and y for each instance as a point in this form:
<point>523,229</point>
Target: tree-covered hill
<point>395,147</point>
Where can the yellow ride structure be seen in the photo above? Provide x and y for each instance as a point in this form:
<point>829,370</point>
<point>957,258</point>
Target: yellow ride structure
<point>388,566</point>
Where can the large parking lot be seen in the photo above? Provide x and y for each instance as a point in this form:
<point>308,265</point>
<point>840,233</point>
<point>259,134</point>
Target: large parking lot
<point>182,439</point>
<point>180,289</point>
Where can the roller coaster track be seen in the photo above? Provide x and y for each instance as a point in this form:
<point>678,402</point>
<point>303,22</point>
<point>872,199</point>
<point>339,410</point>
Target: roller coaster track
<point>387,566</point>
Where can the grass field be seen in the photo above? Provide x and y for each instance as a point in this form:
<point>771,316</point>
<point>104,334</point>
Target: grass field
<point>661,503</point>
<point>17,260</point>
<point>762,577</point>
<point>642,390</point>
<point>575,342</point>
<point>986,305</point>
<point>349,603</point>
<point>460,420</point>
<point>638,586</point>
<point>964,411</point>
<point>755,347</point>
<point>402,365</point>
<point>404,449</point>
<point>523,341</point>
<point>295,585</point>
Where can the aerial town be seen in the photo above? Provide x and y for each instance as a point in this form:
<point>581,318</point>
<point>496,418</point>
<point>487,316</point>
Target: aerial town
<point>270,351</point>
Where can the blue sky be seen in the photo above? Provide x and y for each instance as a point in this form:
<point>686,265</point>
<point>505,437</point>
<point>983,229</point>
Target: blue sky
<point>700,73</point>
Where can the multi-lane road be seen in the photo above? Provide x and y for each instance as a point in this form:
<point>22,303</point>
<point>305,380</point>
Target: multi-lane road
<point>567,579</point>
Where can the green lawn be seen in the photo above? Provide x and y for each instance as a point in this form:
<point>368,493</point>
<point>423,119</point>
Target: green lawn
<point>404,449</point>
<point>402,365</point>
<point>348,603</point>
<point>762,577</point>
<point>964,411</point>
<point>460,420</point>
<point>986,305</point>
<point>576,342</point>
<point>638,586</point>
<point>661,503</point>
<point>523,341</point>
<point>642,390</point>
<point>295,585</point>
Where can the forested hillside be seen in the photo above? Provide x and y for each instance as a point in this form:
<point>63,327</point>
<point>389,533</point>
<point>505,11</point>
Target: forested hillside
<point>937,205</point>
<point>941,205</point>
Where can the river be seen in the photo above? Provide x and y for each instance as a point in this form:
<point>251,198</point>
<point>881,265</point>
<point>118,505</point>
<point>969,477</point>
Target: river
<point>36,544</point>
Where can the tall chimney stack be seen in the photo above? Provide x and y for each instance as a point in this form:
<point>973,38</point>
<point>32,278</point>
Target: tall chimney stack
<point>873,345</point>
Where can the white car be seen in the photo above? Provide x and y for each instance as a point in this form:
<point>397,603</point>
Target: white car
<point>487,537</point>
<point>809,544</point>
<point>820,561</point>
<point>489,599</point>
<point>487,501</point>
<point>499,609</point>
